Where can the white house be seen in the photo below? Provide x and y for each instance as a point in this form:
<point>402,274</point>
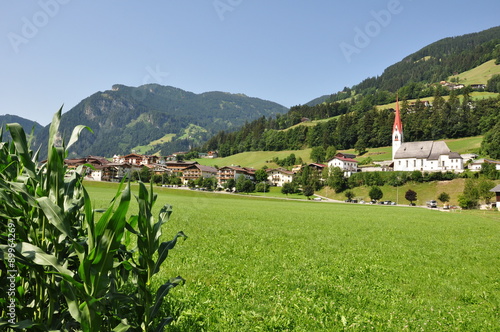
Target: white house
<point>477,164</point>
<point>348,165</point>
<point>430,156</point>
<point>279,176</point>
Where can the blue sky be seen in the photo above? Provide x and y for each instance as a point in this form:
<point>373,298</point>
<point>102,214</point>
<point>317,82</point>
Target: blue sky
<point>58,52</point>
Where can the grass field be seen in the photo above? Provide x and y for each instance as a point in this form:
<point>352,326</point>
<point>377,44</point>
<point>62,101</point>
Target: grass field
<point>255,159</point>
<point>254,264</point>
<point>479,75</point>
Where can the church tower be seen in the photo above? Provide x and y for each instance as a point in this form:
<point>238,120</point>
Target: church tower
<point>397,131</point>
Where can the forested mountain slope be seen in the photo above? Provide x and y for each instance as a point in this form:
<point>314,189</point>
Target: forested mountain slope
<point>127,117</point>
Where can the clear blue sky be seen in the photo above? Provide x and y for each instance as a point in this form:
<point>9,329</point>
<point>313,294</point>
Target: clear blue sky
<point>58,52</point>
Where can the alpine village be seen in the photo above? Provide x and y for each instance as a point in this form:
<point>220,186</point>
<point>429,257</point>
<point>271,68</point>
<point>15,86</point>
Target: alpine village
<point>372,208</point>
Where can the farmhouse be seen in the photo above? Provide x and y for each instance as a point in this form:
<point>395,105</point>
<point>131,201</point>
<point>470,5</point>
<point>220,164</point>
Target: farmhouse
<point>346,163</point>
<point>279,176</point>
<point>430,156</point>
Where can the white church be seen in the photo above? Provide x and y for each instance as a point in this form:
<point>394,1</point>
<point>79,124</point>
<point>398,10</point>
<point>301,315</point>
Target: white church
<point>427,156</point>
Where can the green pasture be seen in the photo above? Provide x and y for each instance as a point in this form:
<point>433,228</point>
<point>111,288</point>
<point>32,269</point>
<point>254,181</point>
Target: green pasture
<point>478,75</point>
<point>256,159</point>
<point>256,264</point>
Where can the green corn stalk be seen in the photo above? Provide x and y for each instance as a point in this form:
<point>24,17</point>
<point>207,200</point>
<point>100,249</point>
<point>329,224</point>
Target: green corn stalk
<point>76,271</point>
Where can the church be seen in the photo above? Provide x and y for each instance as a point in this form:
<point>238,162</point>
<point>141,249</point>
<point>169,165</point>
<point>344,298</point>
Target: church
<point>426,156</point>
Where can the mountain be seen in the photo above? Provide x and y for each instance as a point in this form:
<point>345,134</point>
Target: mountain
<point>433,63</point>
<point>156,119</point>
<point>28,125</point>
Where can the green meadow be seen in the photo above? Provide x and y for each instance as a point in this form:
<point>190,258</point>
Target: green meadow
<point>258,264</point>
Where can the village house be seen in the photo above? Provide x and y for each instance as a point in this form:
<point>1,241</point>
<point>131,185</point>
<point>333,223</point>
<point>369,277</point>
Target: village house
<point>196,171</point>
<point>177,167</point>
<point>476,165</point>
<point>347,163</point>
<point>496,190</point>
<point>234,172</point>
<point>279,176</point>
<point>136,159</point>
<point>430,156</point>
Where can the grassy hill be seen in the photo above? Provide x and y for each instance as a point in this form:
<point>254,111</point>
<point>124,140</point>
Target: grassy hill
<point>258,159</point>
<point>255,159</point>
<point>479,75</point>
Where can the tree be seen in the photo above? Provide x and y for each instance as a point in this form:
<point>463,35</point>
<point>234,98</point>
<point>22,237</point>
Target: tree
<point>287,188</point>
<point>491,142</point>
<point>444,198</point>
<point>230,184</point>
<point>336,180</point>
<point>411,196</point>
<point>349,194</point>
<point>360,146</point>
<point>483,187</point>
<point>308,191</point>
<point>318,154</point>
<point>331,151</point>
<point>375,193</point>
<point>262,187</point>
<point>261,175</point>
<point>489,170</point>
<point>470,196</point>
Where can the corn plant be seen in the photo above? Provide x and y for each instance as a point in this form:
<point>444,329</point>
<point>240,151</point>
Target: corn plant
<point>65,266</point>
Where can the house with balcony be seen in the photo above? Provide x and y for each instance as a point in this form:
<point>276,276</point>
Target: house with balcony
<point>279,176</point>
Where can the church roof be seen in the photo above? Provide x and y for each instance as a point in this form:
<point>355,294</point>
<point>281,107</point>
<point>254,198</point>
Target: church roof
<point>424,150</point>
<point>398,125</point>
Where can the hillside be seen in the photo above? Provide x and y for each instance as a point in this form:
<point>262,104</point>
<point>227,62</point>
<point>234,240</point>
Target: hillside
<point>156,119</point>
<point>477,75</point>
<point>28,125</point>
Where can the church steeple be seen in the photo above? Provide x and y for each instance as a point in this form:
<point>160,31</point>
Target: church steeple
<point>397,130</point>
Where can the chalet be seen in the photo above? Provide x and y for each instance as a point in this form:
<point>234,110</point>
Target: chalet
<point>431,156</point>
<point>177,167</point>
<point>234,172</point>
<point>113,172</point>
<point>348,164</point>
<point>496,190</point>
<point>90,160</point>
<point>279,176</point>
<point>196,171</point>
<point>136,159</point>
<point>212,154</point>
